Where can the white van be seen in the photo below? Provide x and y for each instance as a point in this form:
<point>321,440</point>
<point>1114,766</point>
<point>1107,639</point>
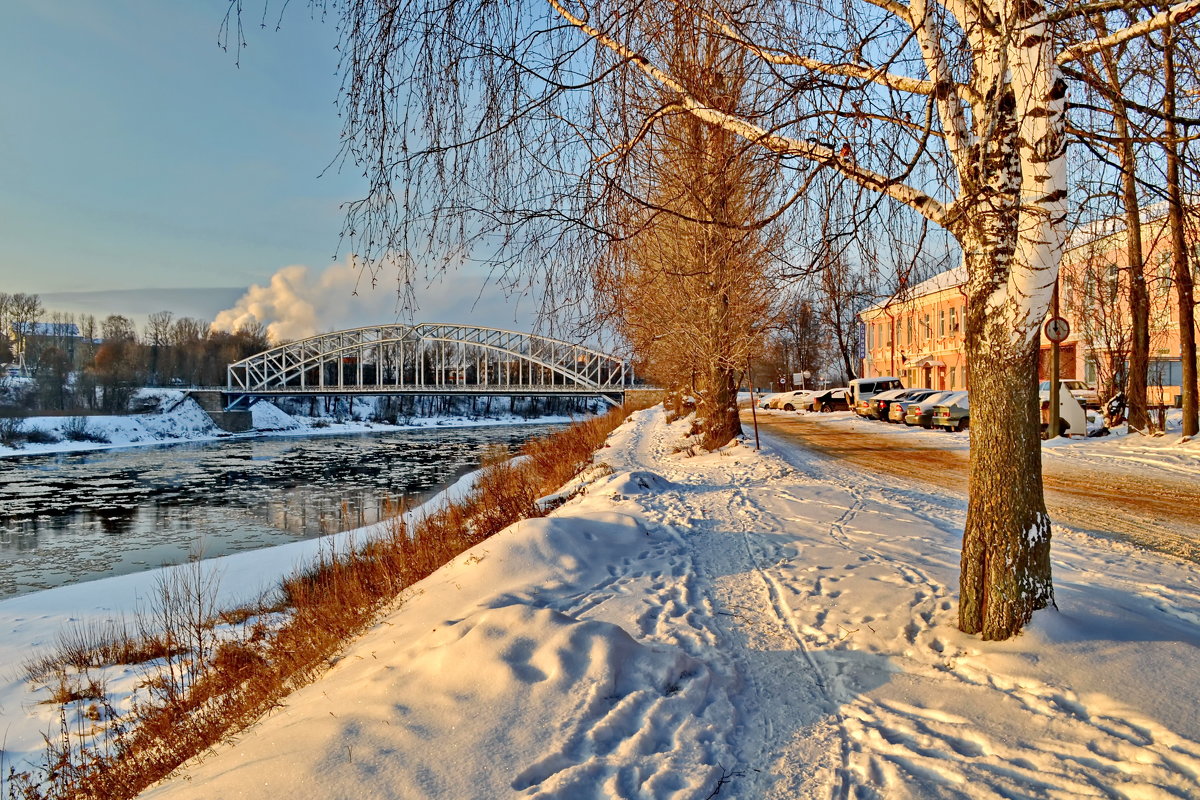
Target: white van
<point>863,389</point>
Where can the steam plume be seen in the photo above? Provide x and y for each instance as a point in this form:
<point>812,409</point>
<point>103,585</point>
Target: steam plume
<point>296,302</point>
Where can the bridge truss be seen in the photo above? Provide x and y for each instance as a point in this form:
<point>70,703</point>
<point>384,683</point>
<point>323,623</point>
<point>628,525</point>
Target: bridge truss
<point>427,359</point>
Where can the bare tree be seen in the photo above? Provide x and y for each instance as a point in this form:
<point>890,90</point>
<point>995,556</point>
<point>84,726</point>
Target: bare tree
<point>687,280</point>
<point>23,311</point>
<point>1181,274</point>
<point>1109,75</point>
<point>157,336</point>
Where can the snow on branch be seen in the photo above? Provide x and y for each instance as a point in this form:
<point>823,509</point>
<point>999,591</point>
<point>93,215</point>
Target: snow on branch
<point>1174,15</point>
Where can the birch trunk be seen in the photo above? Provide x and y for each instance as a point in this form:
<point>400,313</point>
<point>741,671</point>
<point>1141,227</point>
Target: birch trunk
<point>1012,231</point>
<point>1005,560</point>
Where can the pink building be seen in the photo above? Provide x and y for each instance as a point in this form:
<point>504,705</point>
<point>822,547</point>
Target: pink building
<point>919,337</point>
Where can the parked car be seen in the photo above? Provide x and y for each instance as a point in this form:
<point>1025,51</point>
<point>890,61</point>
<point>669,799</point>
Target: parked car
<point>877,406</point>
<point>790,401</point>
<point>899,407</point>
<point>831,400</point>
<point>953,412</point>
<point>921,412</point>
<point>1086,395</point>
<point>797,400</point>
<point>866,388</point>
<point>765,400</point>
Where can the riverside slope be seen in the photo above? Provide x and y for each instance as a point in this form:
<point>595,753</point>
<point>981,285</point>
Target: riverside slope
<point>747,624</point>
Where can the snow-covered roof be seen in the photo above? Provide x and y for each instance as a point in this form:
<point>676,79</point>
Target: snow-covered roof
<point>1108,226</point>
<point>949,279</point>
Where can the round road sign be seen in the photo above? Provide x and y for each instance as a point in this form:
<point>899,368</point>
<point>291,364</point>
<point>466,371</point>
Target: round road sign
<point>1057,329</point>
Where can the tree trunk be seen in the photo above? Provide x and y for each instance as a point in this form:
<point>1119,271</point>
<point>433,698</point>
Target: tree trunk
<point>1139,297</point>
<point>1184,289</point>
<point>718,406</point>
<point>1005,563</point>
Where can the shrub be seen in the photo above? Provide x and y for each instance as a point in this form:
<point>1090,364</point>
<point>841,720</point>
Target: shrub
<point>76,430</point>
<point>12,431</point>
<point>41,436</point>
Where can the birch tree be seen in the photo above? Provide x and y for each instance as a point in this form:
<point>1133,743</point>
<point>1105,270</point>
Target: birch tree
<point>488,124</point>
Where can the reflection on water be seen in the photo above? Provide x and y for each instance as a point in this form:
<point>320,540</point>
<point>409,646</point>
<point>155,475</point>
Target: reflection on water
<point>76,517</point>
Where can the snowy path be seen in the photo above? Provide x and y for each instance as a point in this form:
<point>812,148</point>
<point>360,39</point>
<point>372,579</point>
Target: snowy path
<point>769,625</point>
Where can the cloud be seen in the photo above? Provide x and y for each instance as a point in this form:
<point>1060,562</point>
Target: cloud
<point>298,302</point>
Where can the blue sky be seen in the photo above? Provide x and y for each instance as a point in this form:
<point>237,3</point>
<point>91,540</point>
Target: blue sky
<point>136,154</point>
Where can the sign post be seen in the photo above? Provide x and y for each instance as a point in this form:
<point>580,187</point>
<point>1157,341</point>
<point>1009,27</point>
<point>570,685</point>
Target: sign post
<point>1057,329</point>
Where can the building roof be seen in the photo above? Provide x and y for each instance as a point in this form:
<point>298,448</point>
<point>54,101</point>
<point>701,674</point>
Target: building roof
<point>949,279</point>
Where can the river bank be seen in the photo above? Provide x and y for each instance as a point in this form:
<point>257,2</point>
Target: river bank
<point>175,419</point>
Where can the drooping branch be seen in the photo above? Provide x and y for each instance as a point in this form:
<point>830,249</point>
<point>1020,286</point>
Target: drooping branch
<point>816,152</point>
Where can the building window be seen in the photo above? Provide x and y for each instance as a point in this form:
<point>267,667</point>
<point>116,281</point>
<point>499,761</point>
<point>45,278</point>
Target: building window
<point>1165,274</point>
<point>952,369</point>
<point>941,322</point>
<point>1165,372</point>
<point>953,320</point>
<point>908,339</point>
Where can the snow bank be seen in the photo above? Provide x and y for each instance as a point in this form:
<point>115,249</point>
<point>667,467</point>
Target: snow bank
<point>176,419</point>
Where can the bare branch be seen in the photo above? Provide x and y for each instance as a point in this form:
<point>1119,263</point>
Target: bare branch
<point>1175,15</point>
<point>812,151</point>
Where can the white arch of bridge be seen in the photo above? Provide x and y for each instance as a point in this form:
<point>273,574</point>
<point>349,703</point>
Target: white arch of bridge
<point>428,358</point>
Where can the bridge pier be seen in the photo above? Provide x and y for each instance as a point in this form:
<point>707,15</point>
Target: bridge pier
<point>213,403</point>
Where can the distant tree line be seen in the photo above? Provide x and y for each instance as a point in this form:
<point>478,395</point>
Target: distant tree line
<point>81,362</point>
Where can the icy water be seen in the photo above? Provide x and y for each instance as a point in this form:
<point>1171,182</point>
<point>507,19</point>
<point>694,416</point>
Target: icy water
<point>70,518</point>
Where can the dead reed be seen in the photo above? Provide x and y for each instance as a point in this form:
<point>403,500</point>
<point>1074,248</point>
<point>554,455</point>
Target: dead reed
<point>206,687</point>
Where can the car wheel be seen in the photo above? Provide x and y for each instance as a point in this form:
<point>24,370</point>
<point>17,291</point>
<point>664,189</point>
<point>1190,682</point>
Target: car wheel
<point>963,424</point>
<point>826,408</point>
<point>789,407</point>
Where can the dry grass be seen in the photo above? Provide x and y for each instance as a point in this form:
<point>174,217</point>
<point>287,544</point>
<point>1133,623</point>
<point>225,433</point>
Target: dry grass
<point>206,688</point>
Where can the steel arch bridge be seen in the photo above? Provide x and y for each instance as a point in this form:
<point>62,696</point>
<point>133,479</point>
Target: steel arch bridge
<point>426,359</point>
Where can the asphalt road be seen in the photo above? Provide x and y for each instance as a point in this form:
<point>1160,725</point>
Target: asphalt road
<point>1157,512</point>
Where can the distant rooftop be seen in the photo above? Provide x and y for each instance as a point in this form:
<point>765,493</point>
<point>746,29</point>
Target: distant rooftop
<point>60,329</point>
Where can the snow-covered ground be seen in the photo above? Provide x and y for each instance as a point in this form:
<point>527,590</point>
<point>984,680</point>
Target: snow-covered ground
<point>736,624</point>
<point>180,420</point>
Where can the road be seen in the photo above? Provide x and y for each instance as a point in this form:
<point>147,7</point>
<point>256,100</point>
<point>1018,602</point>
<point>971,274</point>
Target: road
<point>1158,512</point>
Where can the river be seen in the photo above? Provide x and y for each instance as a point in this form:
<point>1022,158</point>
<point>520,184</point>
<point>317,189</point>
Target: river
<point>76,517</point>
